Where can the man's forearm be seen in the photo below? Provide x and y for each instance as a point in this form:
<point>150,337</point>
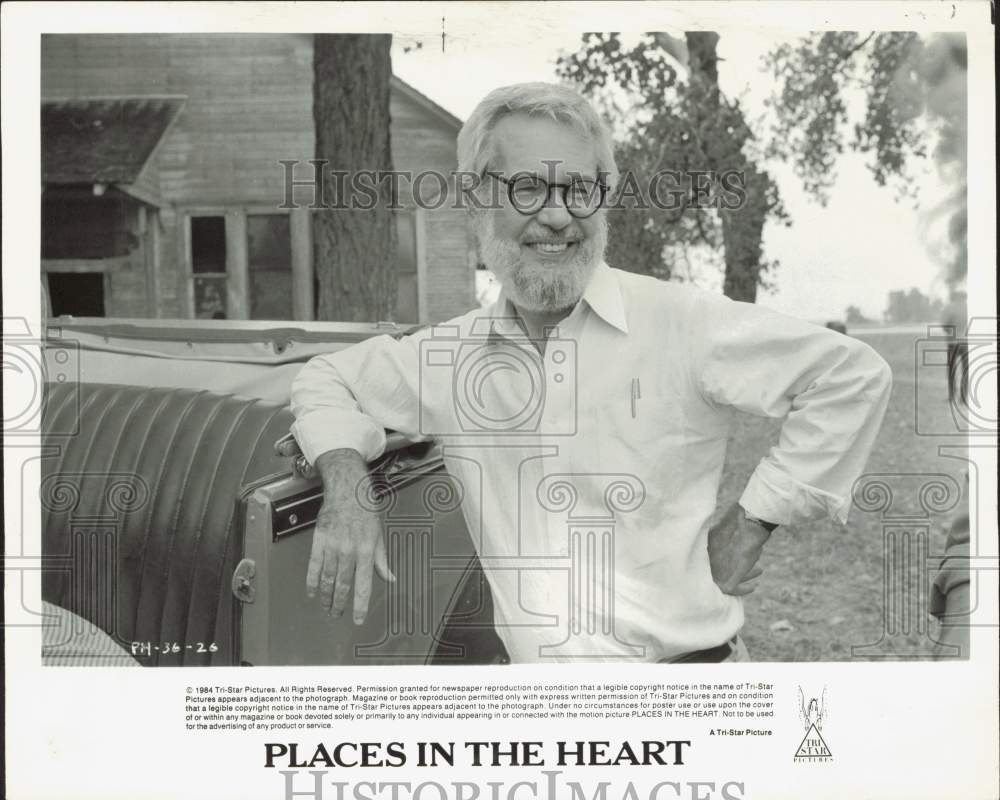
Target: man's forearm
<point>339,467</point>
<point>347,543</point>
<point>758,522</point>
<point>830,390</point>
<point>346,399</point>
<point>735,544</point>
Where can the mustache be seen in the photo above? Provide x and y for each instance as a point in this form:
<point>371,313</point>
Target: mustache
<point>484,228</point>
<point>551,239</point>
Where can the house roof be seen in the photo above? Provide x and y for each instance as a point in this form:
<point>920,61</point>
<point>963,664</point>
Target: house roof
<point>103,140</point>
<point>425,102</point>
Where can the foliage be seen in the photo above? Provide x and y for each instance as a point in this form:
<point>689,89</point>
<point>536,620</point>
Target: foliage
<point>602,60</point>
<point>814,76</point>
<point>685,126</point>
<point>854,316</point>
<point>944,69</point>
<point>914,91</point>
<point>908,88</point>
<point>912,306</point>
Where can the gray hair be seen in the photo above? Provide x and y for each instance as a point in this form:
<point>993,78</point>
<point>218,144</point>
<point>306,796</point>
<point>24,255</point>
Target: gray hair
<point>476,146</point>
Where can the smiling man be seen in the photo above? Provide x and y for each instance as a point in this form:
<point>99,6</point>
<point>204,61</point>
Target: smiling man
<point>543,253</point>
<point>585,416</point>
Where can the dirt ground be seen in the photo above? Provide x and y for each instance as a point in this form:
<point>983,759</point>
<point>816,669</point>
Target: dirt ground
<point>830,593</point>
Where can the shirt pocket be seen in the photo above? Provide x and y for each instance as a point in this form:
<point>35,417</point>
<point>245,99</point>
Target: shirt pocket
<point>643,437</point>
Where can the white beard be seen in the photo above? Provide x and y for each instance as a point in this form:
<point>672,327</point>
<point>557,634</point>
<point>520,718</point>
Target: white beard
<point>535,286</point>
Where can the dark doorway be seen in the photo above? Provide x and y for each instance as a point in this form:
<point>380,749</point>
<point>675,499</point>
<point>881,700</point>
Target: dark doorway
<point>78,293</point>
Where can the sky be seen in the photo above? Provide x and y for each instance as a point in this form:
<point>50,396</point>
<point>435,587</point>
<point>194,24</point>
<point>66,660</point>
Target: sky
<point>862,245</point>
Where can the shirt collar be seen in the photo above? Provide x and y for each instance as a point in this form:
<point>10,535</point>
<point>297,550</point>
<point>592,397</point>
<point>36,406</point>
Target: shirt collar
<point>603,296</point>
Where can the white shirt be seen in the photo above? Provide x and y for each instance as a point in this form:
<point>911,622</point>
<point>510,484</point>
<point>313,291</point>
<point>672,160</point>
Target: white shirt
<point>589,474</point>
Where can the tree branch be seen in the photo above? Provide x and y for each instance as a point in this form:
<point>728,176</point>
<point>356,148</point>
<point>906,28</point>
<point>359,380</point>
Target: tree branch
<point>701,229</point>
<point>858,46</point>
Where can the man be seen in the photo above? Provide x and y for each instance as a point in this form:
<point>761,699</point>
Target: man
<point>596,395</point>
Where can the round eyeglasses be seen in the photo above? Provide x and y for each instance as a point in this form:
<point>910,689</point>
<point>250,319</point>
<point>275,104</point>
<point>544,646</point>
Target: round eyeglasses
<point>528,194</point>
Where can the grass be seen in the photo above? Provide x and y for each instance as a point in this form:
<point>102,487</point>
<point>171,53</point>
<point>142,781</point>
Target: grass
<point>827,582</point>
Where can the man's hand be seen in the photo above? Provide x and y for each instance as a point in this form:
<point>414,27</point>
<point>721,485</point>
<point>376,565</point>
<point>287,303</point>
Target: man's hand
<point>347,542</point>
<point>734,547</point>
<point>289,448</point>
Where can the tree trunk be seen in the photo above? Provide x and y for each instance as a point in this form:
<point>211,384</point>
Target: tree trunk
<point>742,231</point>
<point>702,58</point>
<point>742,228</point>
<point>354,248</point>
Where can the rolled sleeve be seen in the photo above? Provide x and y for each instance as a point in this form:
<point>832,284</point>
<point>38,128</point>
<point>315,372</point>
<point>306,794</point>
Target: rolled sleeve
<point>772,495</point>
<point>322,430</point>
<point>349,398</point>
<point>831,390</point>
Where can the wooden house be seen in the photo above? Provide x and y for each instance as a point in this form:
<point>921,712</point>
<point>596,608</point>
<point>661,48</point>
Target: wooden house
<point>163,184</point>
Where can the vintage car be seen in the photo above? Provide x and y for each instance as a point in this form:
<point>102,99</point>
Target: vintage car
<point>172,524</point>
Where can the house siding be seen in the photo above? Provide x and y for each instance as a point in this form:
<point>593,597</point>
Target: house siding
<point>248,107</point>
<point>421,143</point>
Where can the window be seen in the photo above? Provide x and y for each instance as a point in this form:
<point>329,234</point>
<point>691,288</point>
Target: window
<point>407,283</point>
<point>208,263</point>
<point>81,226</point>
<point>269,259</point>
<point>248,262</point>
<point>78,293</point>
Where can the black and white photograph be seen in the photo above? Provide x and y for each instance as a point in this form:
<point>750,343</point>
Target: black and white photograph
<point>488,347</point>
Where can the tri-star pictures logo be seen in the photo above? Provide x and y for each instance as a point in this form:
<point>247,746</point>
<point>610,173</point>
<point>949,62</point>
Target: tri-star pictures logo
<point>814,713</point>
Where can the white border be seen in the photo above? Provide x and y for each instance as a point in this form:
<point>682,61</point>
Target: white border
<point>897,730</point>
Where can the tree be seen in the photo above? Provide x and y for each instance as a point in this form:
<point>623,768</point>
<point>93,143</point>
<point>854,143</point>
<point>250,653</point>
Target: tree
<point>354,248</point>
<point>897,309</point>
<point>909,86</point>
<point>854,316</point>
<point>687,126</point>
<point>913,89</point>
<point>912,306</point>
<point>812,112</point>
